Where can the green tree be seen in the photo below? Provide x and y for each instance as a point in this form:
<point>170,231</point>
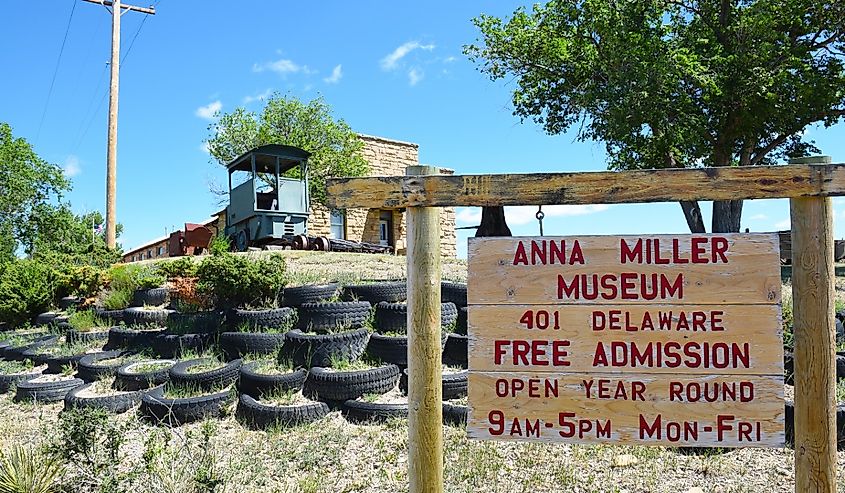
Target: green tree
<point>335,149</point>
<point>675,83</point>
<point>62,237</point>
<point>27,183</point>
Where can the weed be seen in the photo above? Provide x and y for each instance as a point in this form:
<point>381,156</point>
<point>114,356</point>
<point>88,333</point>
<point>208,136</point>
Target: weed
<point>840,391</point>
<point>85,320</point>
<point>341,364</point>
<point>204,367</point>
<point>11,367</point>
<point>150,367</point>
<point>89,442</point>
<point>187,391</point>
<point>273,367</point>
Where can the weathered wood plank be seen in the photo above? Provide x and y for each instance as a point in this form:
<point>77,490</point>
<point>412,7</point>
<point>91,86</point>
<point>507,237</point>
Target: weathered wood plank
<point>425,408</point>
<point>815,370</point>
<point>733,268</point>
<point>605,187</point>
<point>630,419</point>
<point>570,341</point>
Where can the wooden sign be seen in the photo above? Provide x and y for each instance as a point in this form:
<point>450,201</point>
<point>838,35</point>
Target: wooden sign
<point>661,340</point>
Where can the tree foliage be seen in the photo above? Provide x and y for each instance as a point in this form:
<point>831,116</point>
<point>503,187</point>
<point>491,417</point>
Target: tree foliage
<point>335,149</point>
<point>27,183</point>
<point>675,83</point>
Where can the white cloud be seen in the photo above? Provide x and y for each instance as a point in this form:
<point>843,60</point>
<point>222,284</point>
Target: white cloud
<point>414,76</point>
<point>468,215</point>
<point>785,224</point>
<point>209,110</point>
<point>282,66</point>
<point>204,148</point>
<point>258,97</point>
<point>337,73</point>
<point>519,215</point>
<point>449,59</point>
<point>758,217</point>
<point>71,166</point>
<point>391,61</point>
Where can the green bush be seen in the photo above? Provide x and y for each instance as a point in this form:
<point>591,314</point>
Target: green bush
<point>219,245</point>
<point>122,281</point>
<point>182,267</point>
<point>234,280</point>
<point>27,288</point>
<point>79,280</point>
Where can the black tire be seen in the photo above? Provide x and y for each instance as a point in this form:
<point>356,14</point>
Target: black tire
<point>338,386</point>
<point>389,349</point>
<point>393,317</point>
<point>393,349</point>
<point>150,297</point>
<point>9,380</point>
<point>258,385</point>
<point>258,416</point>
<point>69,301</point>
<point>91,367</point>
<point>788,368</point>
<point>175,412</point>
<point>16,353</point>
<point>461,321</point>
<point>208,322</point>
<point>840,366</point>
<point>45,318</point>
<point>277,318</point>
<point>57,364</point>
<point>112,316</point>
<point>73,336</point>
<point>207,380</point>
<point>118,403</point>
<point>331,316</point>
<point>29,390</point>
<point>126,378</point>
<point>298,295</point>
<point>362,412</point>
<point>454,385</point>
<point>389,291</point>
<point>173,346</point>
<point>454,414</point>
<point>136,316</point>
<point>789,423</point>
<point>123,338</point>
<point>238,344</point>
<point>455,353</point>
<point>309,350</point>
<point>453,292</point>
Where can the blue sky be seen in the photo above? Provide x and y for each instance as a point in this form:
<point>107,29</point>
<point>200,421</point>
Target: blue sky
<point>388,69</point>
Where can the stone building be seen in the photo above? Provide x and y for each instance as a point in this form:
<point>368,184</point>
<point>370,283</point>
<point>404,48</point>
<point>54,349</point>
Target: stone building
<point>385,157</point>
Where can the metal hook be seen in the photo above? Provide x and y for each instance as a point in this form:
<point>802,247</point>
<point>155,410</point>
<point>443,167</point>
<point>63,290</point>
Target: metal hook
<point>540,215</point>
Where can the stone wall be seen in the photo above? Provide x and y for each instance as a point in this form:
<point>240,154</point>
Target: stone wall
<point>385,158</point>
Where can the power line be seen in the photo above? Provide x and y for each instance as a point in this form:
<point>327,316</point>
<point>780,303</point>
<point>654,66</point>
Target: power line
<point>55,72</point>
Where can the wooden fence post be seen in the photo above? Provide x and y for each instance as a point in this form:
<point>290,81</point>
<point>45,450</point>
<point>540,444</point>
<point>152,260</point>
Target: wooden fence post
<point>815,339</point>
<point>425,403</point>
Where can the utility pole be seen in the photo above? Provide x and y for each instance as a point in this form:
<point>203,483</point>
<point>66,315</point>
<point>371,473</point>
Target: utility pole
<point>117,10</point>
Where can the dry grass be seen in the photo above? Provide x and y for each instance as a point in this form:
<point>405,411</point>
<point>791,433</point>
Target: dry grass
<point>332,455</point>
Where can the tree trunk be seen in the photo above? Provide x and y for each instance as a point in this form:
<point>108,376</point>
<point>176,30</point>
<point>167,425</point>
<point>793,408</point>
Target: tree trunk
<point>692,212</point>
<point>727,215</point>
<point>493,222</point>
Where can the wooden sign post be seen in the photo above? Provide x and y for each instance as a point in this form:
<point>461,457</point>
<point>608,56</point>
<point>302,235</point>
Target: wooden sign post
<point>654,340</point>
<point>733,352</point>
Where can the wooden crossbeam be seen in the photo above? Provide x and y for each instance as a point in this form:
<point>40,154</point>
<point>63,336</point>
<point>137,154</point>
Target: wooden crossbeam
<point>605,187</point>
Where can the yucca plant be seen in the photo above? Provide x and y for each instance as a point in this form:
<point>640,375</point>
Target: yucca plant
<point>27,471</point>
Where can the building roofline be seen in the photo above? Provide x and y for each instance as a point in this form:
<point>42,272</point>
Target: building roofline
<point>146,245</point>
<point>391,141</point>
